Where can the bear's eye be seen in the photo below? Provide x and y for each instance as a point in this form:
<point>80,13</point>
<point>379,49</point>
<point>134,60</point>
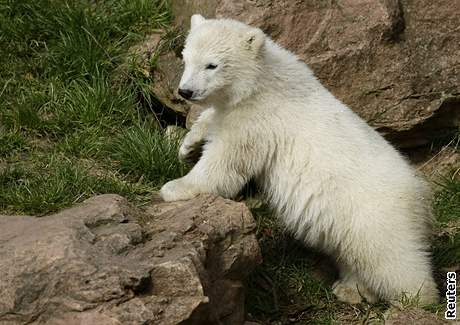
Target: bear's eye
<point>211,66</point>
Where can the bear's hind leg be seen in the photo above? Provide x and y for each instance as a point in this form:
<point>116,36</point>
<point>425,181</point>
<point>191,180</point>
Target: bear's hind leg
<point>410,278</point>
<point>350,290</point>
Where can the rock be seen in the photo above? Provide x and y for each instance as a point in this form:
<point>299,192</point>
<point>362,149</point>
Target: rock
<point>161,62</point>
<point>167,74</point>
<point>394,62</point>
<point>158,59</point>
<point>143,52</point>
<point>412,316</point>
<point>105,262</point>
<point>445,162</point>
<point>184,9</point>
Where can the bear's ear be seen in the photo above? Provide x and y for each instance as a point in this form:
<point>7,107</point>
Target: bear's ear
<point>196,20</point>
<point>254,39</point>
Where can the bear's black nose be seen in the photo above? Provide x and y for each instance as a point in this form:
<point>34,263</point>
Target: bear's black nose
<point>186,93</point>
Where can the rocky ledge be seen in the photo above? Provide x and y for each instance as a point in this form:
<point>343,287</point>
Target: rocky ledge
<point>106,262</point>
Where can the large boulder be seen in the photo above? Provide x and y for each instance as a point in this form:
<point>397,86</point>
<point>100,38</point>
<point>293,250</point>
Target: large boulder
<point>105,262</point>
<point>395,63</point>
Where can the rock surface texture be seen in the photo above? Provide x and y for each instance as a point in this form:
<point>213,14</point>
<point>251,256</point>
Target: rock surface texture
<point>395,62</point>
<point>157,59</point>
<point>104,262</point>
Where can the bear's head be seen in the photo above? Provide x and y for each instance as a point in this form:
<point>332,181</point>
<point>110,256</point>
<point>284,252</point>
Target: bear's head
<point>223,61</point>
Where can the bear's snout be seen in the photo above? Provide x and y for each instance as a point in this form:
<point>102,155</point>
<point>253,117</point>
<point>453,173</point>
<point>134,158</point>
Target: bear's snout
<point>185,93</point>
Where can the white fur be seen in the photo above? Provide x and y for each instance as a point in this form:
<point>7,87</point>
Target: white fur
<point>335,182</point>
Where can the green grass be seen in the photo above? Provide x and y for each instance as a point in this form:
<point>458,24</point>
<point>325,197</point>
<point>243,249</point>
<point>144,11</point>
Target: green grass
<point>54,183</point>
<point>446,250</point>
<point>143,151</point>
<point>11,142</point>
<point>74,122</point>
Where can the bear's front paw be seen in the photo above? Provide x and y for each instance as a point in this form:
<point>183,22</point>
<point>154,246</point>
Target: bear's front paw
<point>191,149</point>
<point>177,190</point>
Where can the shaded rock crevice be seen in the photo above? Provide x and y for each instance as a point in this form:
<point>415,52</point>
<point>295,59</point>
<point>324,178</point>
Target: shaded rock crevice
<point>397,24</point>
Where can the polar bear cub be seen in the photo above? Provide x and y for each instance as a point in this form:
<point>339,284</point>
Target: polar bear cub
<point>336,184</point>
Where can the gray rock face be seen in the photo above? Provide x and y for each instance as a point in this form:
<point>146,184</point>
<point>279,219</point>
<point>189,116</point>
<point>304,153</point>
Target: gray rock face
<point>104,262</point>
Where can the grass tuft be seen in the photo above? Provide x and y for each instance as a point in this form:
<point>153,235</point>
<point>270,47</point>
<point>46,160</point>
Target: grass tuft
<point>446,248</point>
<point>53,184</point>
<point>11,142</point>
<point>144,151</point>
<point>85,105</point>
